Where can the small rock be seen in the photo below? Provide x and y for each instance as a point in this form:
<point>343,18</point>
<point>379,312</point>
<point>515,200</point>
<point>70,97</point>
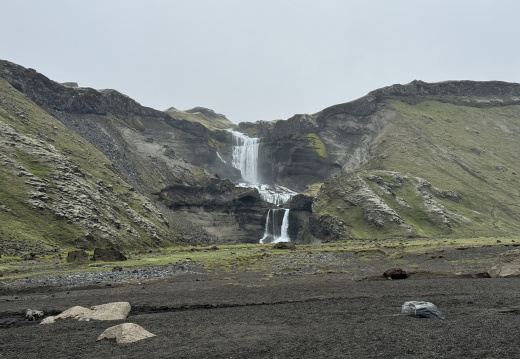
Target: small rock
<point>421,310</point>
<point>29,256</point>
<point>31,314</point>
<point>108,254</point>
<point>395,273</point>
<point>77,256</point>
<point>117,269</point>
<point>126,333</point>
<point>285,245</point>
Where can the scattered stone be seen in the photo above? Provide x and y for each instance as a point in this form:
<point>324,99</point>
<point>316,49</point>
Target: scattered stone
<point>125,333</point>
<point>77,256</point>
<point>508,265</point>
<point>108,255</point>
<point>285,245</point>
<point>395,273</point>
<point>29,256</point>
<point>31,314</point>
<point>421,310</point>
<point>109,311</point>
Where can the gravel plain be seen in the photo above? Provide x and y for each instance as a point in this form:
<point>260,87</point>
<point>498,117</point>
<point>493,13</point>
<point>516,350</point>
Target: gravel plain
<point>294,314</point>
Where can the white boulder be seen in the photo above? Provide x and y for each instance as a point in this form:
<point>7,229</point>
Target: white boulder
<point>126,333</point>
<point>109,311</point>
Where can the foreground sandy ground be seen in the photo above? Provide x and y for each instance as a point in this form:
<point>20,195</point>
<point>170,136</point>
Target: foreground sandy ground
<point>292,315</point>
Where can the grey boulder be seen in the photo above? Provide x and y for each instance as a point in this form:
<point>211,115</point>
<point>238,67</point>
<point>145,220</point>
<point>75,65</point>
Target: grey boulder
<point>421,310</point>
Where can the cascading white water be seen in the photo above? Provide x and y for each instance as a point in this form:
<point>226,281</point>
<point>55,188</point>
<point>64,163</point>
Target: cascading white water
<point>245,158</point>
<point>274,232</point>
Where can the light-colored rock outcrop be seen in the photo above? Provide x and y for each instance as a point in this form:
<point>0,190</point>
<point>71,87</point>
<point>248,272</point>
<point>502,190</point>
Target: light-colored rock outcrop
<point>109,311</point>
<point>126,333</point>
<point>508,265</point>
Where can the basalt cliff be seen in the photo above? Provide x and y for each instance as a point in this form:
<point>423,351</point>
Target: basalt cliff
<point>84,168</point>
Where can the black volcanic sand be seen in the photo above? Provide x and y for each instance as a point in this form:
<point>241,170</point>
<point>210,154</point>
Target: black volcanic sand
<point>251,315</point>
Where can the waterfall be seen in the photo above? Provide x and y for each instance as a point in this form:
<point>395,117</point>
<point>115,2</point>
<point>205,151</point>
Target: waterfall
<point>245,158</point>
<point>274,231</point>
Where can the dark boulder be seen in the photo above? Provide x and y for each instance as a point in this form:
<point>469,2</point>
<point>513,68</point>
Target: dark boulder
<point>285,245</point>
<point>77,256</point>
<point>301,202</point>
<point>395,273</point>
<point>108,255</point>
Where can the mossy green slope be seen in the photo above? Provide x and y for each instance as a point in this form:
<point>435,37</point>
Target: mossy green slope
<point>40,154</point>
<point>440,169</point>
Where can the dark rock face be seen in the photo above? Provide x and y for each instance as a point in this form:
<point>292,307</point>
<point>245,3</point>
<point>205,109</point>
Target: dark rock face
<point>300,211</point>
<point>325,228</point>
<point>301,202</point>
<point>395,273</point>
<point>108,255</point>
<point>77,256</point>
<point>244,210</point>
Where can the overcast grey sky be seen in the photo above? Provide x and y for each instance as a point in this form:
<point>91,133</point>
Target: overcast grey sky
<point>261,59</point>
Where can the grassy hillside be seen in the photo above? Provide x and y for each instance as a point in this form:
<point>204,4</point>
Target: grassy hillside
<point>57,190</point>
<point>439,170</point>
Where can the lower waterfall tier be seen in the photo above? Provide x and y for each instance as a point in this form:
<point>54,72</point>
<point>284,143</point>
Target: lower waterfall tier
<point>276,226</point>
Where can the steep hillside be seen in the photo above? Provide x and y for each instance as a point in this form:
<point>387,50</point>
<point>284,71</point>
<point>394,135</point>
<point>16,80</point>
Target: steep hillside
<point>124,161</point>
<point>439,169</point>
<point>57,190</point>
<point>406,160</point>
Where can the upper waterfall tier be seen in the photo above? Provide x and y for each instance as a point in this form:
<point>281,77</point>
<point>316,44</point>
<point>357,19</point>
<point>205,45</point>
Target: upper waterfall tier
<point>245,156</point>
